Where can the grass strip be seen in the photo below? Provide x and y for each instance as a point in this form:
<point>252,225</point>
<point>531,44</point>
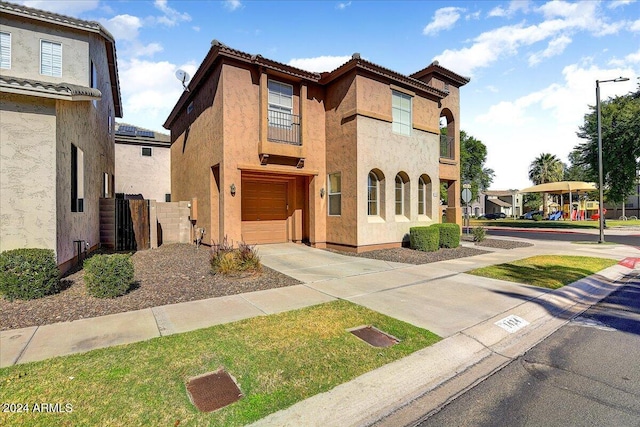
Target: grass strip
<point>277,361</point>
<point>546,271</point>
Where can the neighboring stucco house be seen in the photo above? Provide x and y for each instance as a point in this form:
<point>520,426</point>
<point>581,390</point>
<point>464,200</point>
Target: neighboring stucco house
<point>143,163</point>
<point>508,202</point>
<point>349,159</point>
<point>60,95</point>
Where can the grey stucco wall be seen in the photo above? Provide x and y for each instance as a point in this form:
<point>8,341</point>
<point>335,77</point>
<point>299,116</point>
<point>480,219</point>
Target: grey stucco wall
<point>85,126</point>
<point>27,172</point>
<point>25,51</point>
<point>146,175</point>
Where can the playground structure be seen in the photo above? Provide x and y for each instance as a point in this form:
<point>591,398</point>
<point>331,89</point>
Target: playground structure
<point>578,208</point>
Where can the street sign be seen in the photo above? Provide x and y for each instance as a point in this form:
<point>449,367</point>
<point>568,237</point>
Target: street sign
<point>466,185</point>
<point>466,195</point>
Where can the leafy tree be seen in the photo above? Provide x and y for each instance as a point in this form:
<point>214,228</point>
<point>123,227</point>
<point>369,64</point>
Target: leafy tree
<point>473,155</point>
<point>575,171</point>
<point>546,168</point>
<point>620,122</point>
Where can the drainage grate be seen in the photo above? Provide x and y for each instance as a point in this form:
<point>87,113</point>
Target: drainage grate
<point>374,336</point>
<point>213,390</point>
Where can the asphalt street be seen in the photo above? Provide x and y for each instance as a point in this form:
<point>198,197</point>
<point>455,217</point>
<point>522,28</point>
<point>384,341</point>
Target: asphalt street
<point>585,374</point>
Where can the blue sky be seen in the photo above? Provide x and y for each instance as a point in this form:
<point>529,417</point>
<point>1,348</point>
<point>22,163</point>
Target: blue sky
<point>533,65</point>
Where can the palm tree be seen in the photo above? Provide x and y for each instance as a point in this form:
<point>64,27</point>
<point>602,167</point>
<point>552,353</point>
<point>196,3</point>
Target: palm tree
<point>546,168</point>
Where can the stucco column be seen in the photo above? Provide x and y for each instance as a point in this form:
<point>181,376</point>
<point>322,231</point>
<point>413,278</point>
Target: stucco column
<point>454,210</point>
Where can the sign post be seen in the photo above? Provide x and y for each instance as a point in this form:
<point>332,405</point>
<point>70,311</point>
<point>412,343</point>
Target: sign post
<point>466,198</point>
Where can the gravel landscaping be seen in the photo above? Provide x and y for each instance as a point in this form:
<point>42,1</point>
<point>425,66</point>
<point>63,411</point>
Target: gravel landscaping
<point>180,272</point>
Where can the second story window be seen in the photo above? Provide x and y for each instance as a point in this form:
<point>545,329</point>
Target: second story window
<point>401,111</point>
<point>5,50</point>
<point>50,59</point>
<point>146,151</point>
<point>280,104</point>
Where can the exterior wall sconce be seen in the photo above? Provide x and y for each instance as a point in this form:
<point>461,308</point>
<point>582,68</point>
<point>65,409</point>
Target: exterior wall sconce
<point>233,189</point>
<point>322,192</point>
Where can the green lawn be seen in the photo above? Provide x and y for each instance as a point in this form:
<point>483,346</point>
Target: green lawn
<point>524,223</point>
<point>277,361</point>
<point>546,271</point>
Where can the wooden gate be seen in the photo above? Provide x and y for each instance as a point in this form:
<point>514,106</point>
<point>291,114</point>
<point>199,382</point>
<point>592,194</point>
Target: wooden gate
<point>124,224</point>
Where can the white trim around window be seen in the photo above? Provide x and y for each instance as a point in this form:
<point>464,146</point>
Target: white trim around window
<point>401,112</point>
<point>373,194</point>
<point>5,50</point>
<point>50,58</point>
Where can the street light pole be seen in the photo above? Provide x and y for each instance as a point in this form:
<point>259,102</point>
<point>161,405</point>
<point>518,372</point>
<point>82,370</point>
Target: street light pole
<point>600,172</point>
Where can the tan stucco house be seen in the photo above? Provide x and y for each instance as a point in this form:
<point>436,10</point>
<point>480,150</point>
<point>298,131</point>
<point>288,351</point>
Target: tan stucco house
<point>143,163</point>
<point>349,159</point>
<point>59,98</point>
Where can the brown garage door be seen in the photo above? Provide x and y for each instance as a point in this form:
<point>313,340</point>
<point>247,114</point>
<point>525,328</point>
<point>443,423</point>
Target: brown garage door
<point>264,211</point>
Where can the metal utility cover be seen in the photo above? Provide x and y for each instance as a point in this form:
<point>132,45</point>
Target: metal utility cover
<point>213,390</point>
<point>374,337</point>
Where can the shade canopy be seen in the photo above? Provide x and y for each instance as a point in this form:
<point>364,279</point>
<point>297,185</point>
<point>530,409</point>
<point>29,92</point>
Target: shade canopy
<point>561,187</point>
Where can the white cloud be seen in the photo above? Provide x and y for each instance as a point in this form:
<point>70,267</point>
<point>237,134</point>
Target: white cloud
<point>444,19</point>
<point>171,16</point>
<point>474,15</point>
<point>64,7</point>
<point>123,27</point>
<point>618,3</point>
<point>232,4</point>
<point>632,58</point>
<point>561,18</point>
<point>514,6</point>
<point>554,48</point>
<point>150,90</point>
<point>545,120</point>
<point>196,28</point>
<point>343,5</point>
<point>635,26</point>
<point>319,64</point>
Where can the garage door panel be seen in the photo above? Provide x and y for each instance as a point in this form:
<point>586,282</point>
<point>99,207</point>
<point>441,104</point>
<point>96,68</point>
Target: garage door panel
<point>264,211</point>
<point>258,232</point>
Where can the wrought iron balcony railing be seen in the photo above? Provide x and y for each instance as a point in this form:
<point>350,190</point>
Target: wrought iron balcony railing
<point>446,147</point>
<point>284,127</point>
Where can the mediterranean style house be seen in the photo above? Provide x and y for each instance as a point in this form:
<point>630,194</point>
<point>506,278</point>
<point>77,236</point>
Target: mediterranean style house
<point>348,159</point>
<point>60,95</point>
<point>143,163</point>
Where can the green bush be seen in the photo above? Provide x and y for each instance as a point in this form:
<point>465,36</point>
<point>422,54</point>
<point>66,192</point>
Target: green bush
<point>479,234</point>
<point>108,276</point>
<point>537,217</point>
<point>425,239</point>
<point>449,235</point>
<point>28,273</point>
<point>227,260</point>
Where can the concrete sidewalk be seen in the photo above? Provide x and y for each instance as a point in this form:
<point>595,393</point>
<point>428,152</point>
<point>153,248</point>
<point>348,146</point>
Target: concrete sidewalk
<point>437,296</point>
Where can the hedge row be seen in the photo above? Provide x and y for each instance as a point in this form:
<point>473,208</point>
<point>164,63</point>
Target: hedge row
<point>435,236</point>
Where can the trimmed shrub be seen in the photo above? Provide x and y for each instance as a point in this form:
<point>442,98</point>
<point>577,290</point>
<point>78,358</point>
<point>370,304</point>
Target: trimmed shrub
<point>108,276</point>
<point>449,234</point>
<point>537,217</point>
<point>425,239</point>
<point>28,273</point>
<point>479,234</point>
<point>225,259</point>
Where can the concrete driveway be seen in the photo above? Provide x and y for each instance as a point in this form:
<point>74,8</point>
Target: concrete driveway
<point>436,296</point>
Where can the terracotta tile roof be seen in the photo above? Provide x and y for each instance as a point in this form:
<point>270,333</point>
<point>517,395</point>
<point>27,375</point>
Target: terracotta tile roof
<point>60,89</point>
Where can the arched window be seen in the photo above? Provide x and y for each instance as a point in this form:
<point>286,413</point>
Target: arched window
<point>373,194</point>
<point>402,194</point>
<point>422,196</point>
<point>425,201</point>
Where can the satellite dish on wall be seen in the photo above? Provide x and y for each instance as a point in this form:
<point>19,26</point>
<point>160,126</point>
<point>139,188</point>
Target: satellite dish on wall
<point>184,77</point>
